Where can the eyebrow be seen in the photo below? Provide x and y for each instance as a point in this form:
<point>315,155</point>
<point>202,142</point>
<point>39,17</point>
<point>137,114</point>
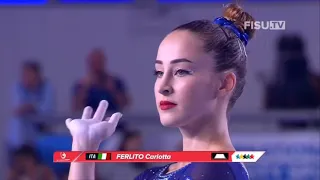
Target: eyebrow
<point>175,61</point>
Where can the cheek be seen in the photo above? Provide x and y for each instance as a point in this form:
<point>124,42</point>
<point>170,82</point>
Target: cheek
<point>194,91</point>
<point>155,89</point>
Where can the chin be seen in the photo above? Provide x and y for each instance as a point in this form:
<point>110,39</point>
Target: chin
<point>171,121</point>
<point>168,124</point>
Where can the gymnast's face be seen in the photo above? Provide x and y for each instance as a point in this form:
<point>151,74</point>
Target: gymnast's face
<point>186,84</point>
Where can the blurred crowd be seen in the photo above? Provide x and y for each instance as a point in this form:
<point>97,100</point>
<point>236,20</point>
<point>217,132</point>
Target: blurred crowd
<point>293,86</point>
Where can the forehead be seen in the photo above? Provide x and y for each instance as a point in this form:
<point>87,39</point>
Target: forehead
<point>181,45</point>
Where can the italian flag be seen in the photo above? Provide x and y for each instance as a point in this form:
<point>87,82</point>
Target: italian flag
<point>102,156</point>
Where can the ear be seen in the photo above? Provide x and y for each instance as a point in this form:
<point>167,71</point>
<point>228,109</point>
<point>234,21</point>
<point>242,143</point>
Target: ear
<point>228,83</point>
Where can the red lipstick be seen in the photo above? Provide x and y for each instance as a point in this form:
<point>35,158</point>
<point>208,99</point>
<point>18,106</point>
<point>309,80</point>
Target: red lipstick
<point>166,105</point>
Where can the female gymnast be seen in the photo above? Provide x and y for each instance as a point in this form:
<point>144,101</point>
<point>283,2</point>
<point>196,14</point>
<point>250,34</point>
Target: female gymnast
<point>200,73</point>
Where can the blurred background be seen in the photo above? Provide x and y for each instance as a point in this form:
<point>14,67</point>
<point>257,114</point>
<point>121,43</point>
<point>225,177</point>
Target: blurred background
<point>48,51</point>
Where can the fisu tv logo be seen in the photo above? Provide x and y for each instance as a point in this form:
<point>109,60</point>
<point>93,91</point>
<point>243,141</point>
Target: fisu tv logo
<point>265,25</point>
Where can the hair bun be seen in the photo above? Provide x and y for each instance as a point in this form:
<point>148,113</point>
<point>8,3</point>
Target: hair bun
<point>235,13</point>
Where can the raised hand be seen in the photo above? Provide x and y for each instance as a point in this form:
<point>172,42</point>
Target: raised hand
<point>88,132</point>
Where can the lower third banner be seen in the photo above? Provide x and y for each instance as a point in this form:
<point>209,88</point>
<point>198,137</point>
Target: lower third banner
<point>184,156</point>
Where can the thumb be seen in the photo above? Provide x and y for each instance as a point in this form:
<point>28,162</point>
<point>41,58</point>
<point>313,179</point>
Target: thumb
<point>68,122</point>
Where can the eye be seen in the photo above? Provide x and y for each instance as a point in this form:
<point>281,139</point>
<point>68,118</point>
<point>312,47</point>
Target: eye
<point>158,74</point>
<point>182,72</point>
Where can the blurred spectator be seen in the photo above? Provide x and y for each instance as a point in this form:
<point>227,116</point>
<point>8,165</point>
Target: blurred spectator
<point>26,166</point>
<point>132,142</point>
<point>32,96</point>
<point>99,84</point>
<point>294,85</point>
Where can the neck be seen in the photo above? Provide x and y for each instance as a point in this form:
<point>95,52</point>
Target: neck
<point>210,135</point>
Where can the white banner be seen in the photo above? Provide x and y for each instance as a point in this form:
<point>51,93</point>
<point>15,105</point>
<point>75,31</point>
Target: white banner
<point>289,156</point>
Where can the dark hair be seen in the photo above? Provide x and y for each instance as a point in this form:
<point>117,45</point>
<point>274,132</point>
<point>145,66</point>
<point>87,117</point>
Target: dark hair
<point>32,65</point>
<point>226,47</point>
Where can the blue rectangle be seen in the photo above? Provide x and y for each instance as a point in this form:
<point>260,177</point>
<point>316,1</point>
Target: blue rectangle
<point>23,2</point>
<point>96,1</point>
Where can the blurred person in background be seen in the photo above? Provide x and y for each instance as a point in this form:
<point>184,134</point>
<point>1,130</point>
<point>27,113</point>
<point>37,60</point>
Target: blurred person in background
<point>294,86</point>
<point>32,96</point>
<point>200,73</point>
<point>25,165</point>
<point>132,141</point>
<point>99,84</point>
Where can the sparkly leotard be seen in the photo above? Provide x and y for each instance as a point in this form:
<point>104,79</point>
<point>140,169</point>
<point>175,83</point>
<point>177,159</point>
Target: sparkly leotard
<point>198,171</point>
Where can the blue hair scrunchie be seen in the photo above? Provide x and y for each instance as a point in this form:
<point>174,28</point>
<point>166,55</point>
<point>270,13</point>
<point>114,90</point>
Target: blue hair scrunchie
<point>244,37</point>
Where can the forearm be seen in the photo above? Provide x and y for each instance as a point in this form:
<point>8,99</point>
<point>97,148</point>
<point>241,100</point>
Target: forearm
<point>81,171</point>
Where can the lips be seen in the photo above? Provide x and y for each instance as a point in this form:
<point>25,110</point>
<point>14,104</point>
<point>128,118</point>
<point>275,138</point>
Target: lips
<point>166,105</point>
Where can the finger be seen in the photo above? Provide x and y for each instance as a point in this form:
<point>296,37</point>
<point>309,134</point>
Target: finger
<point>68,122</point>
<point>87,113</point>
<point>114,119</point>
<point>101,111</point>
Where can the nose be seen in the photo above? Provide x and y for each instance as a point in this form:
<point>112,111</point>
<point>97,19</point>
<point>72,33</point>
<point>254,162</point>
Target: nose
<point>165,89</point>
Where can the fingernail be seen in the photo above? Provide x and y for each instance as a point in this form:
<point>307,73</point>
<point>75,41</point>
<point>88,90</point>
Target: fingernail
<point>88,108</point>
<point>119,115</point>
